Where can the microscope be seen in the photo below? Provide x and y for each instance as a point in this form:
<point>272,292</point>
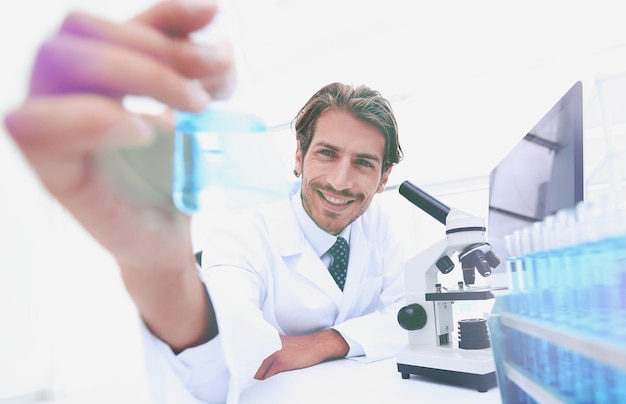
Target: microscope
<point>431,351</point>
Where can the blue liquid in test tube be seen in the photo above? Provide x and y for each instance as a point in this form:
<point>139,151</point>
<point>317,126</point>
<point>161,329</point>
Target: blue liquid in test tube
<point>226,159</point>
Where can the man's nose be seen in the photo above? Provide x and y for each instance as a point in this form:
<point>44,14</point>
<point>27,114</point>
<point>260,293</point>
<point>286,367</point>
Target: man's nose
<point>340,176</point>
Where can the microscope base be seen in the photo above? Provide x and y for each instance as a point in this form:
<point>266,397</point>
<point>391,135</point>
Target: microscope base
<point>474,368</point>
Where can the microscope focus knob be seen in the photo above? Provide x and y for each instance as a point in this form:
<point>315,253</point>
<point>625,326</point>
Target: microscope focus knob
<point>445,264</point>
<point>412,317</point>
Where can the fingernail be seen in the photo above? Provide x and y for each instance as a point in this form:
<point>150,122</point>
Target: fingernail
<point>196,5</point>
<point>220,52</point>
<point>197,95</point>
<point>134,131</point>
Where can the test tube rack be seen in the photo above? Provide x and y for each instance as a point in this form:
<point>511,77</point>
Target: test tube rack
<point>572,355</point>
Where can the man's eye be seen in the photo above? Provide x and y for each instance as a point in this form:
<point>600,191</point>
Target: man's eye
<point>364,163</point>
<point>326,152</point>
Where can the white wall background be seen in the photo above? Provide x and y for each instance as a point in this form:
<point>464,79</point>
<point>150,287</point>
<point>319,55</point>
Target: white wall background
<point>467,80</point>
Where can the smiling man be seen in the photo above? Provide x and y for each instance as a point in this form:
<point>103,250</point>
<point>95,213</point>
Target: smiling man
<point>281,299</point>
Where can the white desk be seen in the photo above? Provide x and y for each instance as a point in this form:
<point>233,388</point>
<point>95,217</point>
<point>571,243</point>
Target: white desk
<point>348,381</point>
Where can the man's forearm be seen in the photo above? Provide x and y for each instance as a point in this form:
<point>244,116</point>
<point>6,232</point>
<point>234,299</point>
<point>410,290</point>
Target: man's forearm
<point>301,351</point>
<point>336,345</point>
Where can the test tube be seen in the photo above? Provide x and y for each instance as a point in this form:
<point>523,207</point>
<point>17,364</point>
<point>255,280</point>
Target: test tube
<point>225,159</point>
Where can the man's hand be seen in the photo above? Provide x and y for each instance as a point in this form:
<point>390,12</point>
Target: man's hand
<point>302,351</point>
<point>75,109</point>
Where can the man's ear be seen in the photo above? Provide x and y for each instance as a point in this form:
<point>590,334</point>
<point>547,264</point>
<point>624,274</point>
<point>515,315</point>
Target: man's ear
<point>298,168</point>
<point>383,179</point>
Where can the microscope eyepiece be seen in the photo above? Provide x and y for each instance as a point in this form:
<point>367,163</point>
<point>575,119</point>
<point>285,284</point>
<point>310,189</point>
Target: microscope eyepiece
<point>425,202</point>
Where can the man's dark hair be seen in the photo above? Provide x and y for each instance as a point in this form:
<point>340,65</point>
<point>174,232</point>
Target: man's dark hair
<point>363,103</point>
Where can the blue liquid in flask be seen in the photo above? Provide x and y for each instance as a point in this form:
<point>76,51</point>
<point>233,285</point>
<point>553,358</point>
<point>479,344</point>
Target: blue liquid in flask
<point>225,159</point>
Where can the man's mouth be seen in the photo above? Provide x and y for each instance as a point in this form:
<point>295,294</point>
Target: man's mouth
<point>335,200</point>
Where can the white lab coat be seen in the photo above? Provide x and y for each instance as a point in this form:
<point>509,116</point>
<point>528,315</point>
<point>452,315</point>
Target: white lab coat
<point>267,281</point>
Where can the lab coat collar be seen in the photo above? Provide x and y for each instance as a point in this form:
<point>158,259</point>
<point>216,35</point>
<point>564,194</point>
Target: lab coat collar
<point>285,230</point>
<point>290,239</point>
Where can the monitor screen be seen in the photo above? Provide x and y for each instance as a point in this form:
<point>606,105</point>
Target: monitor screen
<point>542,174</point>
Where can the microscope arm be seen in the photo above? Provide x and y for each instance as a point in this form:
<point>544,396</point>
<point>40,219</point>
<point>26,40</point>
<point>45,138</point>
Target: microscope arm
<point>421,271</point>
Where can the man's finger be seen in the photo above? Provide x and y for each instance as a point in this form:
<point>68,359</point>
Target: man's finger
<point>262,372</point>
<point>179,18</point>
<point>69,64</point>
<point>82,123</point>
<point>192,60</point>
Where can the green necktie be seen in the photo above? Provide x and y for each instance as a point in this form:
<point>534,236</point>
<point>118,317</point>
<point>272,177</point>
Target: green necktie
<point>339,267</point>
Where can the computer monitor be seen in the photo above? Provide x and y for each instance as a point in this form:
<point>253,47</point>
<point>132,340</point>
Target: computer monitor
<point>542,174</point>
